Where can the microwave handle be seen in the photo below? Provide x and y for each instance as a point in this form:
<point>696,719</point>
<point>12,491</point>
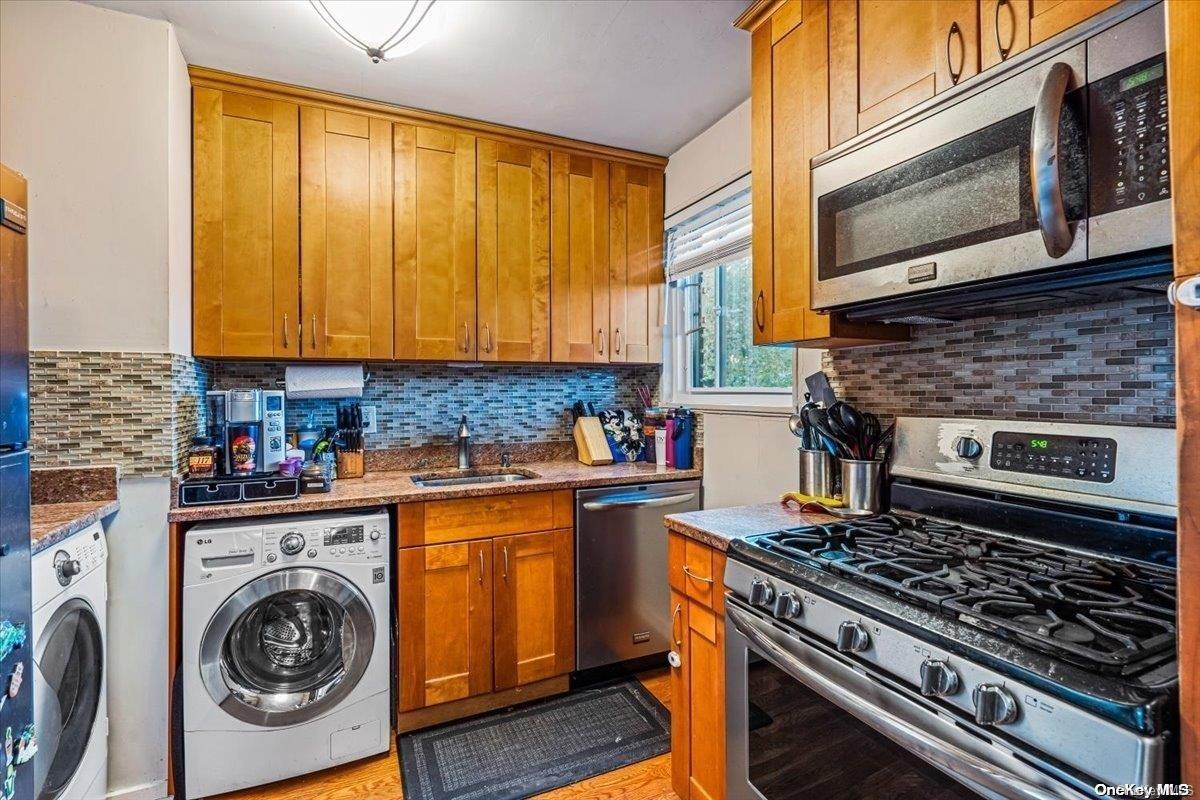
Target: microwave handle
<point>1044,161</point>
<point>944,754</point>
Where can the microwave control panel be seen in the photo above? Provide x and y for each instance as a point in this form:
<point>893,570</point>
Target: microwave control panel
<point>1128,130</point>
<point>1084,459</point>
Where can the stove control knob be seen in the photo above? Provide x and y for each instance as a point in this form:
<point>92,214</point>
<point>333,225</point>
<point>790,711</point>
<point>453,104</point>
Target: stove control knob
<point>291,544</point>
<point>761,593</point>
<point>938,679</point>
<point>968,448</point>
<point>787,606</point>
<point>852,637</point>
<point>994,705</point>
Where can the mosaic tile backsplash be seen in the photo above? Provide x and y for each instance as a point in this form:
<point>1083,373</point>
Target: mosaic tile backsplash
<point>1109,363</point>
<point>419,404</point>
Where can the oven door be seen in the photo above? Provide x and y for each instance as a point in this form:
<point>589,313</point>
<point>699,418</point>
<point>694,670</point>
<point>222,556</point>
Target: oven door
<point>992,185</point>
<point>802,722</point>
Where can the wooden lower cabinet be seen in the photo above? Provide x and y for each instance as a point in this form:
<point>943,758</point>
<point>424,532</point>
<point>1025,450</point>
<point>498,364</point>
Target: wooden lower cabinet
<point>489,620</point>
<point>698,683</point>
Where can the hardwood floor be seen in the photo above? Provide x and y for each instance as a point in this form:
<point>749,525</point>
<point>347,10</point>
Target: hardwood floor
<point>379,777</point>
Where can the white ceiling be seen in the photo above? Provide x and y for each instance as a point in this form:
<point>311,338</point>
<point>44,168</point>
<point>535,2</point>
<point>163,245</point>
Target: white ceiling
<point>642,74</point>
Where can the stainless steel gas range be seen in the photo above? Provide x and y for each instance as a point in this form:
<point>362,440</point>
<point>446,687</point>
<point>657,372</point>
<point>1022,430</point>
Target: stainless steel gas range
<point>1006,630</point>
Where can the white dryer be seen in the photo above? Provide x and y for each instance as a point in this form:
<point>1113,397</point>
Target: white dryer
<point>286,647</point>
<point>70,624</point>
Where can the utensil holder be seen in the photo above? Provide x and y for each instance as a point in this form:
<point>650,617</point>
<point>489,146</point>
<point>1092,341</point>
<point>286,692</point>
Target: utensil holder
<point>350,464</point>
<point>861,484</point>
<point>816,473</point>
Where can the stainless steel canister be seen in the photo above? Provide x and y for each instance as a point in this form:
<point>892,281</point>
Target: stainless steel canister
<point>816,473</point>
<point>860,484</point>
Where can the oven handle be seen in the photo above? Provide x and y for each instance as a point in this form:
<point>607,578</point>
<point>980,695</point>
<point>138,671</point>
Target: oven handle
<point>1045,159</point>
<point>942,753</point>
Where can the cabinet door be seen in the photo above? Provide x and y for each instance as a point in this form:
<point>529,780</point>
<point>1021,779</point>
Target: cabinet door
<point>514,252</point>
<point>535,607</point>
<point>445,623</point>
<point>635,264</point>
<point>245,209</point>
<point>346,235</point>
<point>706,707</point>
<point>434,243</point>
<point>1009,26</point>
<point>578,257</point>
<point>892,54</point>
<point>1050,17</point>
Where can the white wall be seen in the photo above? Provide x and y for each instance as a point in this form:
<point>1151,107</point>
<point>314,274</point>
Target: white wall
<point>711,160</point>
<point>84,96</point>
<point>95,110</point>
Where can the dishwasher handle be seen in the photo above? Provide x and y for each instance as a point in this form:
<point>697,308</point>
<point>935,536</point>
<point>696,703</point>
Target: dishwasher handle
<point>649,502</point>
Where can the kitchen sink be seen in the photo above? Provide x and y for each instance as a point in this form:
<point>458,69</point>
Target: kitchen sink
<point>469,477</point>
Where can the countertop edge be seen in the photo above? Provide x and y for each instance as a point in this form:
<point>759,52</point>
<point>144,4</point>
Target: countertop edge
<point>717,527</point>
<point>89,512</point>
<point>410,493</point>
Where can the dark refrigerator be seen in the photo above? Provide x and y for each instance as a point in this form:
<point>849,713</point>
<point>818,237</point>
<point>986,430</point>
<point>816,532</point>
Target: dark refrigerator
<point>16,623</point>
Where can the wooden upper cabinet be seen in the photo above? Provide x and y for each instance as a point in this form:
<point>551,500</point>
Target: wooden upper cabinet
<point>1007,27</point>
<point>434,241</point>
<point>887,56</point>
<point>578,257</point>
<point>346,235</point>
<point>445,623</point>
<point>635,256</point>
<point>513,252</point>
<point>534,607</point>
<point>245,207</point>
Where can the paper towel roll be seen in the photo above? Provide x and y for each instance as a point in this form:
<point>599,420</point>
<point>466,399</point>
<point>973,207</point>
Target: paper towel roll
<point>323,380</point>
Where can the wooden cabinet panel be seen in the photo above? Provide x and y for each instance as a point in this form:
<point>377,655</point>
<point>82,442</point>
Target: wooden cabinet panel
<point>346,235</point>
<point>1003,30</point>
<point>535,607</point>
<point>434,240</point>
<point>578,257</point>
<point>955,41</point>
<point>445,623</point>
<point>514,252</point>
<point>698,578</point>
<point>706,707</point>
<point>896,65</point>
<point>635,264</point>
<point>245,209</point>
<point>456,520</point>
<point>1050,17</point>
<point>681,761</point>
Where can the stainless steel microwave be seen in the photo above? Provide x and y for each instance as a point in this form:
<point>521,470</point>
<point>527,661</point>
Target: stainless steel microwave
<point>1044,175</point>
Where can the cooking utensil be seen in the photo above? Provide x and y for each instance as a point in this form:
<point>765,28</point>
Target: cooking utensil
<point>821,422</point>
<point>820,390</point>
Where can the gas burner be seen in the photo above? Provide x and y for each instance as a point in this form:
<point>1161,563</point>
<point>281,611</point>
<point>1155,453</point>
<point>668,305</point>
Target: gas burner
<point>1103,614</point>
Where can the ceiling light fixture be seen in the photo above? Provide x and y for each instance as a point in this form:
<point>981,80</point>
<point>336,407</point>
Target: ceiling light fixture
<point>358,23</point>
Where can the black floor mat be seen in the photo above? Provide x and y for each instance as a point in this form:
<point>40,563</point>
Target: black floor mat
<point>536,747</point>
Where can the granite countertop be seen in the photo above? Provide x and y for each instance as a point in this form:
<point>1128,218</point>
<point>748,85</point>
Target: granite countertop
<point>384,488</point>
<point>54,522</point>
<point>717,527</point>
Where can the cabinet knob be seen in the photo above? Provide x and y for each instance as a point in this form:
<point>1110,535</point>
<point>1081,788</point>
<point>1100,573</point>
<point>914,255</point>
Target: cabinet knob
<point>1000,48</point>
<point>962,47</point>
<point>760,317</point>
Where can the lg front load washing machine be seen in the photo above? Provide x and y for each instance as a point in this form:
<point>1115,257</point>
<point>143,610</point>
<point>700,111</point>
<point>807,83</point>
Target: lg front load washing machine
<point>286,645</point>
<point>70,628</point>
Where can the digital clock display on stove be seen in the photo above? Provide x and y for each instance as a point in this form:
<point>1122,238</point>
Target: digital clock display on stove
<point>1075,457</point>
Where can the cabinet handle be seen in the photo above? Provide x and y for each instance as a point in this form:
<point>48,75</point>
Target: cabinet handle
<point>313,335</point>
<point>676,614</point>
<point>504,549</point>
<point>466,338</point>
<point>481,567</point>
<point>1005,51</point>
<point>487,338</point>
<point>962,46</point>
<point>759,310</point>
<point>601,332</point>
<point>285,331</point>
<point>694,576</point>
<point>617,340</point>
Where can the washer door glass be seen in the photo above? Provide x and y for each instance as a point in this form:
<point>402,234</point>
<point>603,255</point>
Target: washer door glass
<point>70,665</point>
<point>287,646</point>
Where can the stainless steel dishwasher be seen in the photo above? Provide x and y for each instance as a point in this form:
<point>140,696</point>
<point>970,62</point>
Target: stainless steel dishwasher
<point>621,594</point>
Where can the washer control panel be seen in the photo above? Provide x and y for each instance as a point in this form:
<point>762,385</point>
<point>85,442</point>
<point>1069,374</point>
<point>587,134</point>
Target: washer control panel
<point>323,541</point>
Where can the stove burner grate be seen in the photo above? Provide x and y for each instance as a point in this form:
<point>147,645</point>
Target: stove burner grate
<point>1104,614</point>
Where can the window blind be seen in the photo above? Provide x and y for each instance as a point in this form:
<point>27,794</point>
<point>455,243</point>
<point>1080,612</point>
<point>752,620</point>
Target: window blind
<point>710,237</point>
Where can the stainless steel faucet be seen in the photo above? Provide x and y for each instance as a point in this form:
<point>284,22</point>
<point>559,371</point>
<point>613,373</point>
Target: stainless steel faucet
<point>464,444</point>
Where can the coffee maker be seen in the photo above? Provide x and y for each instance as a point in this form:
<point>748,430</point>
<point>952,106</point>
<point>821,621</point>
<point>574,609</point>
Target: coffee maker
<point>247,424</point>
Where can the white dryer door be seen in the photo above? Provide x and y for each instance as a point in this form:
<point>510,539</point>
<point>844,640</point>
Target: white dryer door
<point>69,660</point>
<point>287,647</point>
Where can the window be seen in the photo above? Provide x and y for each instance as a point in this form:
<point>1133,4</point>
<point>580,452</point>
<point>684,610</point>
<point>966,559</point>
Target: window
<point>714,359</point>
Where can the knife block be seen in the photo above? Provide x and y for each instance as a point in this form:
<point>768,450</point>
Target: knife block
<point>590,442</point>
